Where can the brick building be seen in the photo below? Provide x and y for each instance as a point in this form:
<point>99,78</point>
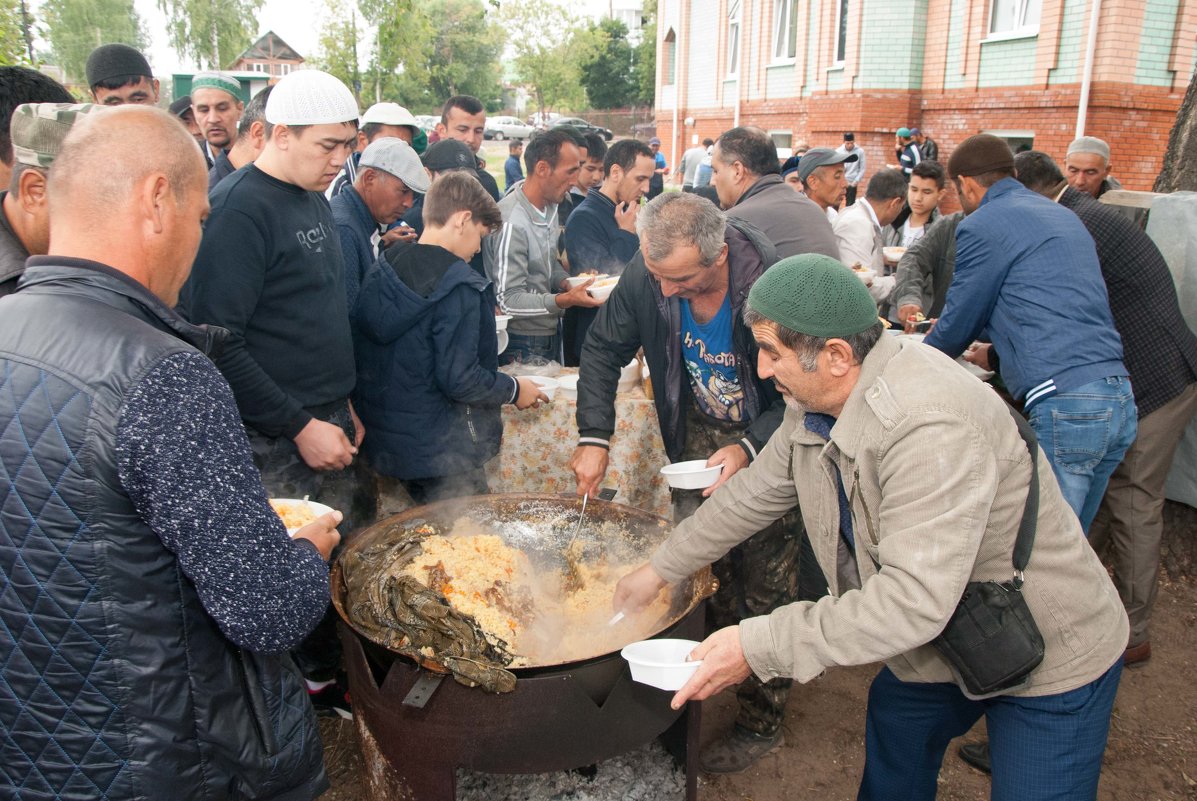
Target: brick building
<point>808,70</point>
<point>269,56</point>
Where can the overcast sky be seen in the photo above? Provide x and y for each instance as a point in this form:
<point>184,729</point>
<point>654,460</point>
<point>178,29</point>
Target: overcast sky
<point>298,22</point>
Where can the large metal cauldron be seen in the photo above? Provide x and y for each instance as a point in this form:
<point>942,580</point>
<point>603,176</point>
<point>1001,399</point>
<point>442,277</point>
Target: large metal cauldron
<point>415,734</point>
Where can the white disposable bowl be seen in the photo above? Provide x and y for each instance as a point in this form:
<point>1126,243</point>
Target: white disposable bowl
<point>501,321</point>
<point>865,275</point>
<point>567,386</point>
<point>893,253</point>
<point>578,280</point>
<point>691,475</point>
<point>661,663</point>
<point>547,385</point>
<point>317,508</point>
<point>603,288</point>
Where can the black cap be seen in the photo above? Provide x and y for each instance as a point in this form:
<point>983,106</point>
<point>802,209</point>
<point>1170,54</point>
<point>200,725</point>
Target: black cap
<point>449,154</point>
<point>181,106</point>
<point>113,61</point>
<point>849,137</point>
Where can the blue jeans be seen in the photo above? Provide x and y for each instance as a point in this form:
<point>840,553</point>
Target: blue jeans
<point>1085,433</point>
<point>1046,748</point>
<point>527,348</point>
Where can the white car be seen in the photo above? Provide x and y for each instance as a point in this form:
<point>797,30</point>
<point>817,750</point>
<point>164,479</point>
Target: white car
<point>506,128</point>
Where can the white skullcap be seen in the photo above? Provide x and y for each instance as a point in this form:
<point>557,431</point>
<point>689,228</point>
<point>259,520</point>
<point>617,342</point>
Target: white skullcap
<point>310,97</point>
<point>1090,144</point>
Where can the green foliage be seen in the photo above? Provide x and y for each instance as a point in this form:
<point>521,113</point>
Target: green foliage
<point>548,44</point>
<point>646,57</point>
<point>12,39</point>
<point>76,27</point>
<point>337,54</point>
<point>607,71</point>
<point>213,32</point>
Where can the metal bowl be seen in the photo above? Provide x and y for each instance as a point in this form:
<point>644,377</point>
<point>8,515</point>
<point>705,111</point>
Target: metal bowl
<point>543,527</point>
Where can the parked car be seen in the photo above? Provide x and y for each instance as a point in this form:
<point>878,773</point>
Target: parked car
<point>583,126</point>
<point>427,122</point>
<point>506,128</point>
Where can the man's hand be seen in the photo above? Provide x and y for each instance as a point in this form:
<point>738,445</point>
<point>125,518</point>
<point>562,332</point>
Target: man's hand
<point>529,393</point>
<point>322,532</point>
<point>578,296</point>
<point>723,665</point>
<point>400,233</point>
<point>359,430</point>
<point>978,354</point>
<point>732,457</point>
<point>906,311</point>
<point>637,589</point>
<point>625,216</point>
<point>324,446</point>
<point>589,464</point>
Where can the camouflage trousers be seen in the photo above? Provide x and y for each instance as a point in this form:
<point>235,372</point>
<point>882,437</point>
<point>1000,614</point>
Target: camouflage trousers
<point>286,475</point>
<point>772,568</point>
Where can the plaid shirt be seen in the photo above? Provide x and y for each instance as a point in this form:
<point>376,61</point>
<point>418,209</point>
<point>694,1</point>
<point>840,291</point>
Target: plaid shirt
<point>1159,350</point>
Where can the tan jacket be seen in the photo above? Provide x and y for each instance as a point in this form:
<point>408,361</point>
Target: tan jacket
<point>936,475</point>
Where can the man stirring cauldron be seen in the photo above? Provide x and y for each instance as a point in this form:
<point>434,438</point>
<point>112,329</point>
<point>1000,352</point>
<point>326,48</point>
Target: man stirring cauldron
<point>907,495</point>
<point>680,298</point>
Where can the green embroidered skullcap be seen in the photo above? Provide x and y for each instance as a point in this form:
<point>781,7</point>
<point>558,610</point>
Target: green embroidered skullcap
<point>815,295</point>
<point>217,80</point>
<point>38,130</point>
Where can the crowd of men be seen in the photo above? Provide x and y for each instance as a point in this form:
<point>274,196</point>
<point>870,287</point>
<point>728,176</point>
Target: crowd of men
<point>283,296</point>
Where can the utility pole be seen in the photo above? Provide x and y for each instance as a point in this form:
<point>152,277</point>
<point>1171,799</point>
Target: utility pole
<point>357,79</point>
<point>27,30</point>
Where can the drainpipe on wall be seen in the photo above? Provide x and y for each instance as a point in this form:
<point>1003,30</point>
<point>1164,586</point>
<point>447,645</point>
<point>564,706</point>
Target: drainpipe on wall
<point>1087,77</point>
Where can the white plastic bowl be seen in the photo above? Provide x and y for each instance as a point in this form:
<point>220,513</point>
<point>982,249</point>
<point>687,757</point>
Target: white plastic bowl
<point>865,274</point>
<point>661,663</point>
<point>603,287</point>
<point>317,508</point>
<point>547,385</point>
<point>567,386</point>
<point>893,254</point>
<point>691,475</point>
<point>501,321</point>
<point>578,280</point>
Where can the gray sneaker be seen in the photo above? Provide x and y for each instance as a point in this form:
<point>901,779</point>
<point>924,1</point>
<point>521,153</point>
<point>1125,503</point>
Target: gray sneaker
<point>738,750</point>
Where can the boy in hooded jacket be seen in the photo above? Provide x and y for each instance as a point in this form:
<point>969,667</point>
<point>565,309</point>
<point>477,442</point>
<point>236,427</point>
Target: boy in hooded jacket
<point>428,384</point>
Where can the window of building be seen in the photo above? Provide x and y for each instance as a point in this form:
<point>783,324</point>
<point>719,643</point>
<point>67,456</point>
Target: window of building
<point>670,58</point>
<point>1015,17</point>
<point>841,31</point>
<point>1019,141</point>
<point>733,38</point>
<point>258,67</point>
<point>285,69</point>
<point>785,29</point>
<point>782,139</point>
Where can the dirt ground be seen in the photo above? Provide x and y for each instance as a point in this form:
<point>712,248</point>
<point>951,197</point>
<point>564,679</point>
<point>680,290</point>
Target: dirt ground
<point>1152,752</point>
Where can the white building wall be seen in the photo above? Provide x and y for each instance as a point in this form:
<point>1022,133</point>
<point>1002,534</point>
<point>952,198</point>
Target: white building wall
<point>702,54</point>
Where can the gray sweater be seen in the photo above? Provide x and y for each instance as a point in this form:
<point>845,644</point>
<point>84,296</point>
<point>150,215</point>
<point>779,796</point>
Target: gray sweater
<point>521,261</point>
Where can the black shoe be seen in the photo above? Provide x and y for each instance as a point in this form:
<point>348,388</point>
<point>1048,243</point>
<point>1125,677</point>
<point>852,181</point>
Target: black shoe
<point>977,755</point>
<point>332,700</point>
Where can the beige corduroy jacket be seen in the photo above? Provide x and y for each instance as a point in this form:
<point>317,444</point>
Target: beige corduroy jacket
<point>937,476</point>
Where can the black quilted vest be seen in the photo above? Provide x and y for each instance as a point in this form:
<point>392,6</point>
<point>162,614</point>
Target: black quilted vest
<point>114,681</point>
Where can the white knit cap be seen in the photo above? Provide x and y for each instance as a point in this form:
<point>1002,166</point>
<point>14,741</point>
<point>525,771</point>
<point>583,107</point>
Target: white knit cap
<point>310,97</point>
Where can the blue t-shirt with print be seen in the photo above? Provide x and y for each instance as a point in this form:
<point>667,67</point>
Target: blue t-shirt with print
<point>711,363</point>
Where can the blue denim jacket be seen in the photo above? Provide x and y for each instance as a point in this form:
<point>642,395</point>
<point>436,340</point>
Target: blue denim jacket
<point>1027,273</point>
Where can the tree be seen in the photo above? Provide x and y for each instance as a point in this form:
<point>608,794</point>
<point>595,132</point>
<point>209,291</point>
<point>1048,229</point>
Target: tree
<point>337,54</point>
<point>1180,159</point>
<point>646,56</point>
<point>76,27</point>
<point>12,42</point>
<point>545,39</point>
<point>607,73</point>
<point>212,32</point>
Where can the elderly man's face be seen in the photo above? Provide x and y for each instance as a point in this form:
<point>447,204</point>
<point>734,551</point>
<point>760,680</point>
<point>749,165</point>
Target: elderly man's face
<point>797,385</point>
<point>681,272</point>
<point>1086,171</point>
<point>217,113</point>
<point>143,93</point>
<point>827,185</point>
<point>387,197</point>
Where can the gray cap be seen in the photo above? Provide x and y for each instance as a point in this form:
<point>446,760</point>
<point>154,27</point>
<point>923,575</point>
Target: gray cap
<point>818,157</point>
<point>397,158</point>
<point>1090,144</point>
